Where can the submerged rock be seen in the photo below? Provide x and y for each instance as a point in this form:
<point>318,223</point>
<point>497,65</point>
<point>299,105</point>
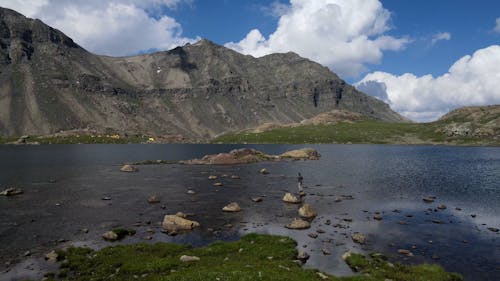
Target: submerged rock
<point>298,224</point>
<point>128,168</point>
<point>257,199</point>
<point>153,199</point>
<point>429,199</point>
<point>232,207</point>
<point>358,238</point>
<point>290,198</point>
<point>174,223</point>
<point>306,211</point>
<point>264,171</point>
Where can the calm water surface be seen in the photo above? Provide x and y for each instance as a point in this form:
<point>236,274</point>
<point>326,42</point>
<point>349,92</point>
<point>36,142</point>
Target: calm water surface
<point>64,186</point>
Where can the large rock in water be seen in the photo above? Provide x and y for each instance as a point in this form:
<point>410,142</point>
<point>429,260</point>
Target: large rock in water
<point>304,153</point>
<point>290,198</point>
<point>298,224</point>
<point>174,223</point>
<point>306,211</point>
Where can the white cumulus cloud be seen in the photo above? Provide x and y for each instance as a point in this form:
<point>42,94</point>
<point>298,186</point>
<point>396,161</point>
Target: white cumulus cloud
<point>472,80</point>
<point>344,35</point>
<point>497,26</point>
<point>440,36</point>
<point>108,27</point>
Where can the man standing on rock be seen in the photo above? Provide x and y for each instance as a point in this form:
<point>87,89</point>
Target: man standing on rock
<point>300,179</point>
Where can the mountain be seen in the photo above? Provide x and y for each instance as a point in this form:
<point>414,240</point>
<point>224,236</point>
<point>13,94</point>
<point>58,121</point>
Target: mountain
<point>49,84</point>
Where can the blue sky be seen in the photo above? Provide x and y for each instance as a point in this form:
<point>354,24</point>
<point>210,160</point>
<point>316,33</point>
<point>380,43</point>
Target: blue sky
<point>423,58</point>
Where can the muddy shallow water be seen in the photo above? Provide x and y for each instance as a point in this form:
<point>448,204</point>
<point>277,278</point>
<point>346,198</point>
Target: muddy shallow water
<point>64,186</point>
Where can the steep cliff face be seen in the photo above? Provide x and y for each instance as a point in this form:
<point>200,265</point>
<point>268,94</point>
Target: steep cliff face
<point>48,83</point>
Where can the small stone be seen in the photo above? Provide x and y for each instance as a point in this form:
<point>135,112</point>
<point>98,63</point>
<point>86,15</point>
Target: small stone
<point>298,224</point>
<point>494,229</point>
<point>257,199</point>
<point>27,253</point>
<point>322,275</point>
<point>346,255</point>
<point>377,217</point>
<point>232,207</point>
<point>435,257</point>
<point>437,221</point>
<point>181,215</point>
<point>328,222</point>
<point>428,199</point>
<point>185,258</point>
<point>458,209</point>
<point>405,252</point>
<point>153,199</point>
<point>325,251</point>
<point>264,171</point>
<point>128,168</point>
<point>218,184</point>
<point>313,235</point>
<point>212,177</point>
<point>235,177</point>
<point>303,256</point>
<point>148,237</point>
<point>348,220</point>
<point>110,236</point>
<point>473,215</point>
<point>358,238</point>
<point>402,222</point>
<point>51,257</point>
<point>290,198</point>
<point>106,198</point>
<point>191,192</point>
<point>441,207</point>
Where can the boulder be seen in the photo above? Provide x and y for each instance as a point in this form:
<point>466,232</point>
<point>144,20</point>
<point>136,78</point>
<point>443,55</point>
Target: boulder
<point>290,198</point>
<point>358,238</point>
<point>173,224</point>
<point>298,224</point>
<point>128,168</point>
<point>306,211</point>
<point>185,258</point>
<point>232,207</point>
<point>110,236</point>
<point>304,153</point>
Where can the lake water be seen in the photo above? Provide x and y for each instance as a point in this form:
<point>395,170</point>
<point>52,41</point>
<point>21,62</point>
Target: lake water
<point>64,186</point>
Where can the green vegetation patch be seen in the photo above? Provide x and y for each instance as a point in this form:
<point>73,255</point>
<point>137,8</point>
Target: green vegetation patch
<point>254,257</point>
<point>367,131</point>
<point>377,268</point>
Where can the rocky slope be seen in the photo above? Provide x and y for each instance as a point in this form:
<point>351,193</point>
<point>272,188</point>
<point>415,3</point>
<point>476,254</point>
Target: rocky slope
<point>50,84</point>
<point>473,121</point>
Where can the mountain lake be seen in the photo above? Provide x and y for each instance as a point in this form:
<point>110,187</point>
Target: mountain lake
<point>74,193</point>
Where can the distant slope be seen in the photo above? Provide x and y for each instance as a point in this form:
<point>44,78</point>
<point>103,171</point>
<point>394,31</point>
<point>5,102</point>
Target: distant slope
<point>464,126</point>
<point>50,84</point>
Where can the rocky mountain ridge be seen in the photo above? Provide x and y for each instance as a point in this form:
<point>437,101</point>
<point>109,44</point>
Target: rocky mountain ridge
<point>50,84</point>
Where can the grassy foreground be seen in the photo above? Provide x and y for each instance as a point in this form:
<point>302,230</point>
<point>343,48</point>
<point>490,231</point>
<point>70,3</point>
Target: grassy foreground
<point>367,131</point>
<point>254,257</point>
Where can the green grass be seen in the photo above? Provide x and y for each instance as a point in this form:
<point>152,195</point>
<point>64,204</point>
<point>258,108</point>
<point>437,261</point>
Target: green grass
<point>254,257</point>
<point>367,131</point>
